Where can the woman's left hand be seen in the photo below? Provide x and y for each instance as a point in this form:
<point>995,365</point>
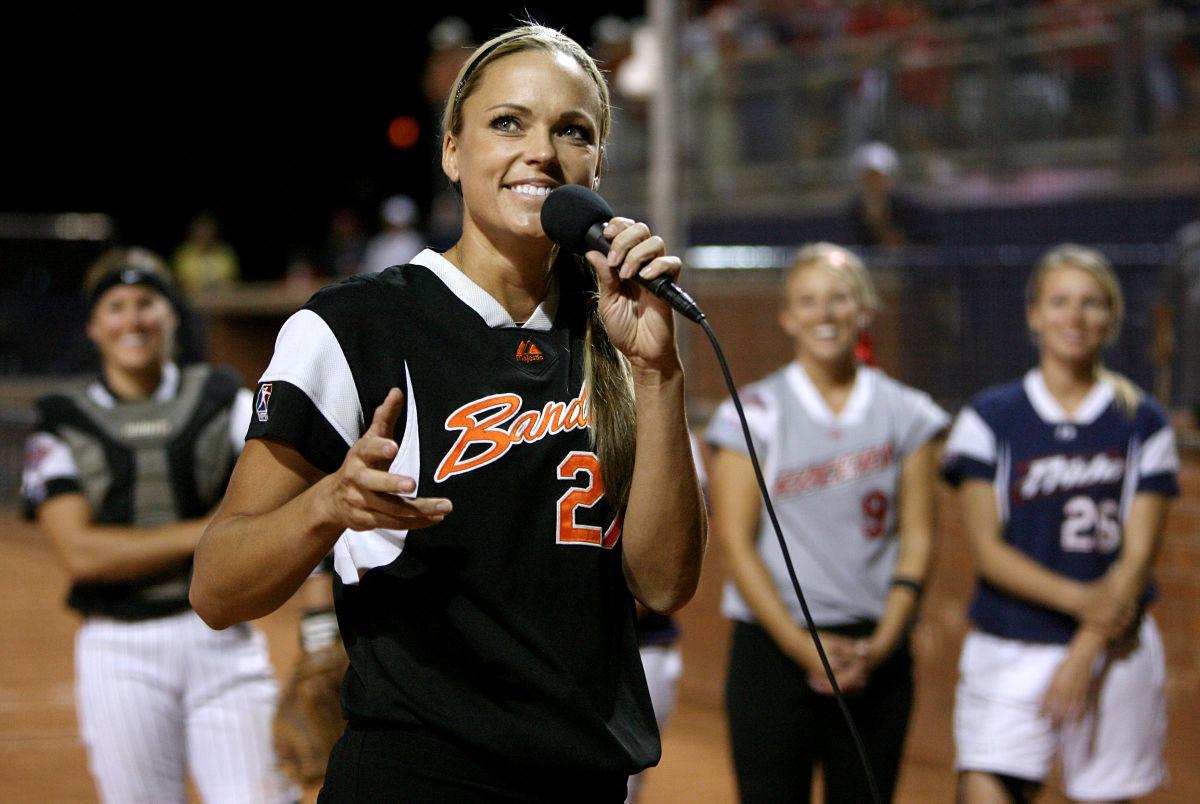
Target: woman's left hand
<point>1070,691</point>
<point>848,660</point>
<point>639,323</point>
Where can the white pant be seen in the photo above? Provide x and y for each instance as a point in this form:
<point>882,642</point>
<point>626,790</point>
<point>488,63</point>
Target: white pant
<point>1113,752</point>
<point>663,665</point>
<point>161,696</point>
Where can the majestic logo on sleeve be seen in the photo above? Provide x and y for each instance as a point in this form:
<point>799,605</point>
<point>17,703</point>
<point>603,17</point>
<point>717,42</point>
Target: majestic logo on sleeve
<point>489,427</point>
<point>261,400</point>
<point>1057,474</point>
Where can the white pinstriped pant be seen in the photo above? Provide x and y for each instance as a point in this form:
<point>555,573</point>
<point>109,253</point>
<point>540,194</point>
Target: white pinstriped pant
<point>159,697</point>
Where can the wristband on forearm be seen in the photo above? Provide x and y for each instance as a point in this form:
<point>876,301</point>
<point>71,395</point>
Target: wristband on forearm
<point>916,586</point>
<point>318,629</point>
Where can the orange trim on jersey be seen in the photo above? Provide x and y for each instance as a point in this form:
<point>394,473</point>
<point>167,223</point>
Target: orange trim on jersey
<point>486,423</point>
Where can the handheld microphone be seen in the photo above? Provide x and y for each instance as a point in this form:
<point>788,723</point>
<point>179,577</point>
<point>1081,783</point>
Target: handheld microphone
<point>574,218</point>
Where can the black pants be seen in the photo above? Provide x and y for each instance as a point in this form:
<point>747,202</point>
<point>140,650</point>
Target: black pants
<point>383,764</point>
<point>780,728</point>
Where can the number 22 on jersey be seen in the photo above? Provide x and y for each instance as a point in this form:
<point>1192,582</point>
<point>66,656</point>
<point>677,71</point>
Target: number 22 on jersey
<point>584,468</point>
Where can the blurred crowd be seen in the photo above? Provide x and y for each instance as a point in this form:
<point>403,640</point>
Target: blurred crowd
<point>792,80</point>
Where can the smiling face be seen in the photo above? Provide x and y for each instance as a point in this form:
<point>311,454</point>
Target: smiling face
<point>530,124</point>
<point>1071,316</point>
<point>822,315</point>
<point>133,326</point>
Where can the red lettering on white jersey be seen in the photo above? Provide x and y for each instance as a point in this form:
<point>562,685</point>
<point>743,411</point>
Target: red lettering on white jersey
<point>843,469</point>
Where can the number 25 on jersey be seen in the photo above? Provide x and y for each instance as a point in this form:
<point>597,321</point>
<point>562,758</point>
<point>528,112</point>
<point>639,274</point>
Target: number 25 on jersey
<point>1091,526</point>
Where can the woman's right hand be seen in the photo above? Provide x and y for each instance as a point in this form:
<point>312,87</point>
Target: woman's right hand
<point>363,495</point>
<point>849,666</point>
<point>1102,607</point>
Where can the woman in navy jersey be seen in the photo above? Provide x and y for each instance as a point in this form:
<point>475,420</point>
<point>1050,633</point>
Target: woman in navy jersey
<point>121,474</point>
<point>850,460</point>
<point>493,443</point>
<point>1063,480</point>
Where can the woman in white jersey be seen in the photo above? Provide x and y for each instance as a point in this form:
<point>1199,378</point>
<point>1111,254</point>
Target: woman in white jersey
<point>1063,478</point>
<point>848,457</point>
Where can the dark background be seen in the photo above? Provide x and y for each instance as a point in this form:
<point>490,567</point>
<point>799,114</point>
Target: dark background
<point>267,118</point>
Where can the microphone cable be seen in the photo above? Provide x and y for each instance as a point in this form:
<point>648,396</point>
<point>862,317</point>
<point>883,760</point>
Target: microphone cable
<point>574,217</point>
<point>702,320</point>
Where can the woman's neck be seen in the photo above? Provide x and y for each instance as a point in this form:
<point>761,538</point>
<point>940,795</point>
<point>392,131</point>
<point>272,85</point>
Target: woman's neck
<point>1069,383</point>
<point>833,380</point>
<point>127,384</point>
<point>516,279</point>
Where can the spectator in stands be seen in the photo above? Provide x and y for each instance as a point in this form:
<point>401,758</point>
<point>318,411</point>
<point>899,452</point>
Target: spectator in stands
<point>1063,481</point>
<point>450,43</point>
<point>345,247</point>
<point>399,240</point>
<point>619,47</point>
<point>1083,50</point>
<point>204,260</point>
<point>880,213</point>
<point>1177,329</point>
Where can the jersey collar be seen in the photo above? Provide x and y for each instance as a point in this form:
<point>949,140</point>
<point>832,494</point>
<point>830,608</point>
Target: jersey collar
<point>102,395</point>
<point>482,302</point>
<point>814,404</point>
<point>1047,407</point>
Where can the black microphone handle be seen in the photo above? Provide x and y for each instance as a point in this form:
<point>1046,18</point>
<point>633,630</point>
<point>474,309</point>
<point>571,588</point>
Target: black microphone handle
<point>661,286</point>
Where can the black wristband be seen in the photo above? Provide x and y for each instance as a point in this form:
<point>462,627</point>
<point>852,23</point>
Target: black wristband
<point>917,587</point>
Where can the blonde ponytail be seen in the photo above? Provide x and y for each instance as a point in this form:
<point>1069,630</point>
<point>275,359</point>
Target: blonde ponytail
<point>1125,393</point>
<point>613,411</point>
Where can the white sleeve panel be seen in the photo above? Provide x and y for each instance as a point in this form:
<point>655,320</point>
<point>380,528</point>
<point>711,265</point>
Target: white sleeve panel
<point>698,460</point>
<point>921,418</point>
<point>358,551</point>
<point>972,438</point>
<point>762,416</point>
<point>1158,454</point>
<point>47,458</point>
<point>308,355</point>
<point>239,418</point>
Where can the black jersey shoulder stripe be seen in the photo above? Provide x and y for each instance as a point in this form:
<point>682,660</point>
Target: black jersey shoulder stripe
<point>53,488</point>
<point>303,428</point>
<point>365,316</point>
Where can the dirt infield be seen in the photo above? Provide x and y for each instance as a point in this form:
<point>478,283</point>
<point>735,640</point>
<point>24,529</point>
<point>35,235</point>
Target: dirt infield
<point>42,760</point>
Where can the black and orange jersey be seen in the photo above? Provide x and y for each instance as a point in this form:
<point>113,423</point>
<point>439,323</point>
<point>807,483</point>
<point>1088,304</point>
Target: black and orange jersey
<point>508,629</point>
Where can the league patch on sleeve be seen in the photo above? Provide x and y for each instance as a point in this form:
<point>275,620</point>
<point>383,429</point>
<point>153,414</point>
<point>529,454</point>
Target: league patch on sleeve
<point>262,401</point>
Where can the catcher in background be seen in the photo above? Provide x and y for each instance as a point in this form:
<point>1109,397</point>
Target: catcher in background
<point>493,443</point>
<point>122,473</point>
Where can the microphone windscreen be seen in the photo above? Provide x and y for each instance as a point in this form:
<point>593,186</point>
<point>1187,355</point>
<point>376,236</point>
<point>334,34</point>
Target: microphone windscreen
<point>569,211</point>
